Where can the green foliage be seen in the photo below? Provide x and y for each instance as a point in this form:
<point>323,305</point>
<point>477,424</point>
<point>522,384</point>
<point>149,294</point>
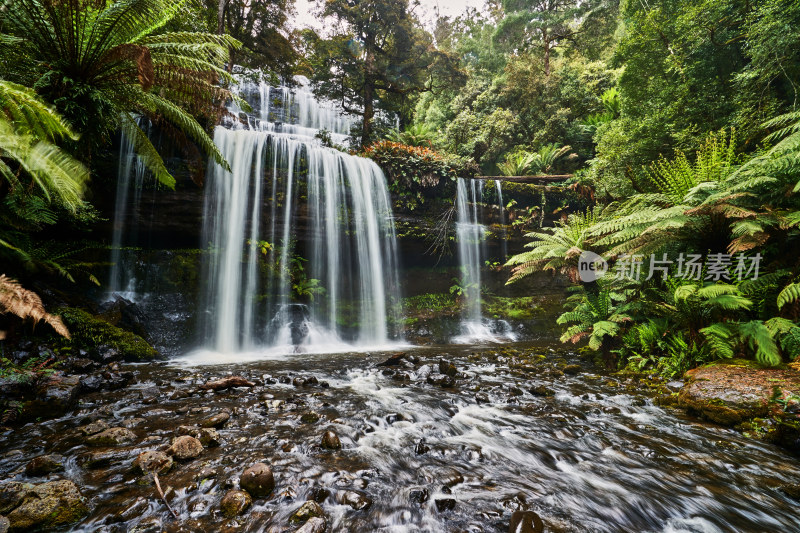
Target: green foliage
<point>418,134</point>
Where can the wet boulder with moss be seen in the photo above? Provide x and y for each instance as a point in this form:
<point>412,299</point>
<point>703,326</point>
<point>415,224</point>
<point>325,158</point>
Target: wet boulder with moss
<point>103,340</point>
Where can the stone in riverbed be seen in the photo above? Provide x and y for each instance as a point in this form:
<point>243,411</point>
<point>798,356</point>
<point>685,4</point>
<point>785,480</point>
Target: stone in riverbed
<point>541,390</point>
<point>235,502</point>
<point>445,504</point>
<point>572,370</point>
<point>49,506</point>
<point>112,437</point>
<point>152,461</point>
<point>258,480</point>
<point>449,477</point>
<point>12,494</point>
<point>330,441</point>
<point>95,427</point>
<point>4,524</point>
<point>419,496</point>
<point>525,522</point>
<point>53,398</point>
<point>215,421</point>
<point>314,525</point>
<point>185,447</point>
<point>227,383</point>
<point>355,500</point>
<point>309,509</point>
<point>44,464</point>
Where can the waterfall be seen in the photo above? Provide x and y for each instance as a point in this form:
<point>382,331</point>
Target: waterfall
<point>504,241</point>
<point>470,235</point>
<point>301,237</point>
<point>130,175</point>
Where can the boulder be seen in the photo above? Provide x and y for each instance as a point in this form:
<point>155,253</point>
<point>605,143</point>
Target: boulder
<point>356,500</point>
<point>444,504</point>
<point>235,502</point>
<point>95,427</point>
<point>572,370</point>
<point>49,506</point>
<point>185,447</point>
<point>111,437</point>
<point>215,421</point>
<point>734,391</point>
<point>258,480</point>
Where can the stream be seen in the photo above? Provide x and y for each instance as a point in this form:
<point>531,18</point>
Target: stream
<point>421,451</point>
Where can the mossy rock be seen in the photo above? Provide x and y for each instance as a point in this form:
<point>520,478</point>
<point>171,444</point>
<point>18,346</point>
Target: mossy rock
<point>88,332</point>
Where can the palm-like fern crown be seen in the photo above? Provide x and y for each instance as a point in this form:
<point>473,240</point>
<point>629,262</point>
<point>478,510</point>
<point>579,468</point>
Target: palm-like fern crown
<point>556,248</point>
<point>109,54</point>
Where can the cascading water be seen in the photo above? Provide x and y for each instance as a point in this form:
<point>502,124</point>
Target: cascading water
<point>504,240</point>
<point>130,175</point>
<point>470,234</point>
<point>303,253</point>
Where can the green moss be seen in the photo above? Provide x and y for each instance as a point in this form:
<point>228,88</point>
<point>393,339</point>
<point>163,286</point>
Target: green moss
<point>523,308</point>
<point>88,332</point>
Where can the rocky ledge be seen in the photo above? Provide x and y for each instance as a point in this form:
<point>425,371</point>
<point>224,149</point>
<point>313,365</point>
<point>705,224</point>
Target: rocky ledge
<point>762,402</point>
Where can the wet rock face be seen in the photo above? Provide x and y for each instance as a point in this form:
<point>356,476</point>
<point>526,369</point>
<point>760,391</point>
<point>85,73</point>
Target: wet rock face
<point>730,393</point>
<point>47,506</point>
<point>53,398</point>
<point>314,525</point>
<point>308,510</point>
<point>258,480</point>
<point>44,464</point>
<point>235,502</point>
<point>185,447</point>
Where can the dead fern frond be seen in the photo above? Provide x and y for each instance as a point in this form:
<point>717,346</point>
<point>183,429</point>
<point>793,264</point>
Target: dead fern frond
<point>27,304</point>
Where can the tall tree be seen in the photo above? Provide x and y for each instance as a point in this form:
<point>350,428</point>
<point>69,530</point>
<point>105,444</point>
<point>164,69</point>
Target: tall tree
<point>379,54</point>
<point>542,24</point>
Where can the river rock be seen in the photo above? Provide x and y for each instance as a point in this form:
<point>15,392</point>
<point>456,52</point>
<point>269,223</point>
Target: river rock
<point>53,398</point>
<point>215,421</point>
<point>447,368</point>
<point>313,525</point>
<point>152,461</point>
<point>525,522</point>
<point>541,390</point>
<point>330,441</point>
<point>419,496</point>
<point>227,383</point>
<point>5,524</point>
<point>448,477</point>
<point>95,427</point>
<point>308,510</point>
<point>111,437</point>
<point>12,494</point>
<point>49,506</point>
<point>185,447</point>
<point>444,504</point>
<point>732,391</point>
<point>235,502</point>
<point>44,464</point>
<point>258,480</point>
<point>356,500</point>
<point>572,370</point>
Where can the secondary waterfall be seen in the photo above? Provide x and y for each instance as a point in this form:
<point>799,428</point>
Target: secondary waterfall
<point>301,236</point>
<point>471,238</point>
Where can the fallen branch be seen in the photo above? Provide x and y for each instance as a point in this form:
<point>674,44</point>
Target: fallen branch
<point>163,498</point>
<point>226,383</point>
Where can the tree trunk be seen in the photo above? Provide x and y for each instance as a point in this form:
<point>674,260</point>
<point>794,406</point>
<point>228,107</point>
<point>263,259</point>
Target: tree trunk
<point>221,16</point>
<point>369,112</point>
<point>546,54</point>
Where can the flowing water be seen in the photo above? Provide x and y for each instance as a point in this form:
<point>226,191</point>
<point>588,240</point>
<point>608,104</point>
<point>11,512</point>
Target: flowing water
<point>302,242</point>
<point>471,237</point>
<point>587,452</point>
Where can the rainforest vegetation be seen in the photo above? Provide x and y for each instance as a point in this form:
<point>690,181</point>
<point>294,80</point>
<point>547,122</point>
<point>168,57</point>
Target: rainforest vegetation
<point>676,123</point>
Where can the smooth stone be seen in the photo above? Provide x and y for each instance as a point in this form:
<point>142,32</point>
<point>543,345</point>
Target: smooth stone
<point>215,421</point>
<point>258,480</point>
<point>112,437</point>
<point>525,522</point>
<point>355,500</point>
<point>95,427</point>
<point>572,370</point>
<point>185,447</point>
<point>235,502</point>
<point>330,441</point>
